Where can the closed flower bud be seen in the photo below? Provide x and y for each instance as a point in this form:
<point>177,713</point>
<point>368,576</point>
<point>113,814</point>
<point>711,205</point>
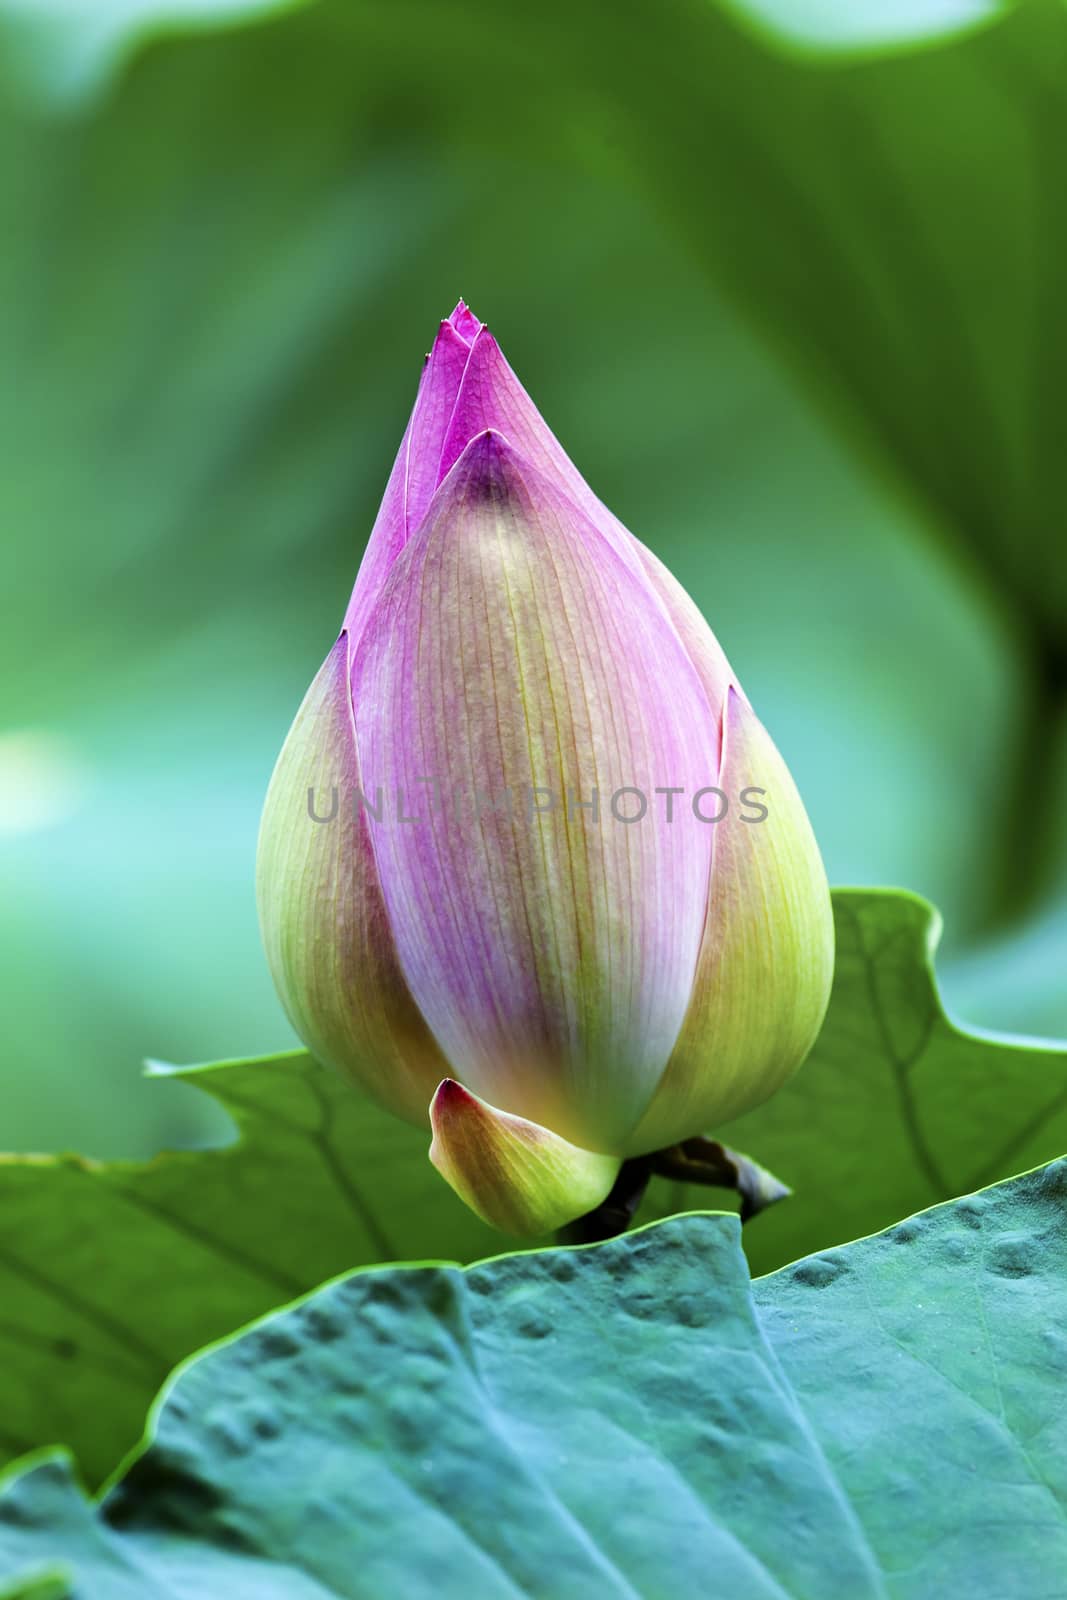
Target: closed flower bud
<point>527,853</point>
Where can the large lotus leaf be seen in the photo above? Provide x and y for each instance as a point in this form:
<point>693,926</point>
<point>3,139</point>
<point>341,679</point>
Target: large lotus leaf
<point>111,1273</point>
<point>628,1419</point>
<point>898,1106</point>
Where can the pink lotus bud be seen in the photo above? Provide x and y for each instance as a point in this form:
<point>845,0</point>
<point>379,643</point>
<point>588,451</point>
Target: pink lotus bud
<point>526,832</point>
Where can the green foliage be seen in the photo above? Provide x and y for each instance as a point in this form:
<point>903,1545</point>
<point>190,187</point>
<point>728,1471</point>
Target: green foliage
<point>67,49</point>
<point>112,1273</point>
<point>229,227</point>
<point>50,1583</point>
<point>897,1106</point>
<point>216,283</point>
<point>625,1419</point>
<point>64,50</point>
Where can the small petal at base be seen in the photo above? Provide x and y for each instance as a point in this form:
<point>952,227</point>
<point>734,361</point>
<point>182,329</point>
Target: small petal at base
<point>514,1174</point>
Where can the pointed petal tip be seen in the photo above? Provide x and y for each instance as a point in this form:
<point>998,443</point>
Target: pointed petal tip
<point>489,445</point>
<point>450,1098</point>
<point>464,322</point>
<point>516,1175</point>
<point>336,668</point>
<point>448,337</point>
<point>738,706</point>
<point>340,649</point>
<point>330,686</point>
<point>487,468</point>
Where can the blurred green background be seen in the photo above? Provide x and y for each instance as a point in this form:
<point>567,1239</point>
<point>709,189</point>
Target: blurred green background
<point>787,279</point>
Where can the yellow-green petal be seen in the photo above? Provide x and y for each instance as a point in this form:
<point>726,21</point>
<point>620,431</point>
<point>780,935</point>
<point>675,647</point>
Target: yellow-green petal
<point>516,1175</point>
<point>766,962</point>
<point>328,942</point>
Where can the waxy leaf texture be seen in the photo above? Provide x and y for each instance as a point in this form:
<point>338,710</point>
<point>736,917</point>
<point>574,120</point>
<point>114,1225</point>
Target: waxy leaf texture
<point>883,1420</point>
<point>111,1273</point>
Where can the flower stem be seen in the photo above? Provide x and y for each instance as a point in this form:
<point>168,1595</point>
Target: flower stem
<point>698,1160</point>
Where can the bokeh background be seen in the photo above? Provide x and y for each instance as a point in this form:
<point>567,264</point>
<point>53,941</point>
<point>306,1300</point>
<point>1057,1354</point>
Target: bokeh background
<point>787,278</point>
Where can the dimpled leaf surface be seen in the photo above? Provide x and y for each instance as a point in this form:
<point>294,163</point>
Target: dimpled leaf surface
<point>110,1273</point>
<point>620,1420</point>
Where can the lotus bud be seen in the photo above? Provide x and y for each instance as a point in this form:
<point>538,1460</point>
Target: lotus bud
<point>530,868</point>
